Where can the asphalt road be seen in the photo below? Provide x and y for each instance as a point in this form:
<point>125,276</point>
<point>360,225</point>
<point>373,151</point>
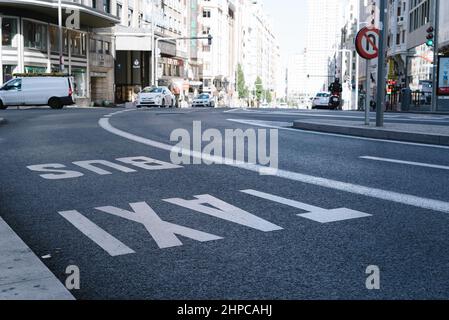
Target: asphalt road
<point>398,217</point>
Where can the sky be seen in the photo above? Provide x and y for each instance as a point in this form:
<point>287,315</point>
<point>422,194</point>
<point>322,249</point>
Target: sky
<point>289,19</point>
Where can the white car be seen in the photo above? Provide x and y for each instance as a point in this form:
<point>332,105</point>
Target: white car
<point>55,92</point>
<point>204,100</point>
<point>155,97</point>
<point>321,100</point>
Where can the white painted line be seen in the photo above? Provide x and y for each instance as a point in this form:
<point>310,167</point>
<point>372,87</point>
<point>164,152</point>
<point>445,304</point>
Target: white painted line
<point>406,199</point>
<point>411,163</point>
<point>269,124</point>
<point>107,242</point>
<point>317,214</point>
<point>23,276</point>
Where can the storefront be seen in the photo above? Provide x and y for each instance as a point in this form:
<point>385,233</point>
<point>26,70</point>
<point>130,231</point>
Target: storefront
<point>31,45</point>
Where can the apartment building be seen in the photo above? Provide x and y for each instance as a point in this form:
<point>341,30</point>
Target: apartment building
<point>30,43</point>
<point>142,21</point>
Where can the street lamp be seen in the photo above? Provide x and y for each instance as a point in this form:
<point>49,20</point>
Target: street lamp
<point>61,59</point>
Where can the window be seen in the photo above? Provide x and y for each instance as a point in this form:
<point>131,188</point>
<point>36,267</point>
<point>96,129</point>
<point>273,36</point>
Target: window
<point>107,47</point>
<point>35,35</point>
<point>130,17</point>
<point>100,47</point>
<point>78,43</point>
<point>107,6</point>
<point>54,39</point>
<point>206,13</point>
<point>119,11</point>
<point>13,85</point>
<point>92,46</point>
<point>9,31</point>
<point>8,71</point>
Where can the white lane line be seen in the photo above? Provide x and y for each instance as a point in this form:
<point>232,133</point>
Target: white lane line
<point>107,242</point>
<point>275,125</point>
<point>23,276</point>
<point>316,214</point>
<point>406,199</point>
<point>411,163</point>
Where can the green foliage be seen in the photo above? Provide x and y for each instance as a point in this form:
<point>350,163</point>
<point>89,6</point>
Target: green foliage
<point>241,85</point>
<point>259,89</point>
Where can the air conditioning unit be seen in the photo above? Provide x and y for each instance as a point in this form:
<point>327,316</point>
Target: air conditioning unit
<point>401,20</point>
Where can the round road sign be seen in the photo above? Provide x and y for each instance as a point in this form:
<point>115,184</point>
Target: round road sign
<point>367,43</point>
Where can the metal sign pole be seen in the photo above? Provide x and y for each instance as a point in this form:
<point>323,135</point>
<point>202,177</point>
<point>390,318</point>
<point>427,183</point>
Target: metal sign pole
<point>381,67</point>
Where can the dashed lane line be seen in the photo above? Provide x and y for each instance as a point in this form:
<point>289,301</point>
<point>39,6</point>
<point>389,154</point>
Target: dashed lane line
<point>410,163</point>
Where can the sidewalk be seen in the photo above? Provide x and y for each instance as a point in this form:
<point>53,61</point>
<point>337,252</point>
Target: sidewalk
<point>418,133</point>
<point>23,276</point>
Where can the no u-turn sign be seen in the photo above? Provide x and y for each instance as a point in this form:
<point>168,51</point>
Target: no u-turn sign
<point>367,43</point>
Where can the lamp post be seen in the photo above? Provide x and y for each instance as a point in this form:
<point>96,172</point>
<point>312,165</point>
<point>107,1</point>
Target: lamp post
<point>381,66</point>
<point>61,58</point>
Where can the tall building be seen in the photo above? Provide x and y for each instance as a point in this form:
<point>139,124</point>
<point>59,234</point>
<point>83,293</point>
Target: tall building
<point>217,18</point>
<point>323,37</point>
<point>259,52</point>
<point>30,43</point>
<point>140,21</point>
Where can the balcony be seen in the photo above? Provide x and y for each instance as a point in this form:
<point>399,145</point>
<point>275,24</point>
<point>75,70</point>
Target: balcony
<point>89,17</point>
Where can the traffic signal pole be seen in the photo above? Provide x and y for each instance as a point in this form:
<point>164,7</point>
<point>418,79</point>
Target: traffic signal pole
<point>435,56</point>
<point>381,66</point>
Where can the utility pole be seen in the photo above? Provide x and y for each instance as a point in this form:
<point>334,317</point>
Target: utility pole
<point>381,65</point>
<point>61,58</point>
<point>435,56</point>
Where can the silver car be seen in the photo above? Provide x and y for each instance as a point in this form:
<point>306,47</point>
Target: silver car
<point>155,97</point>
<point>204,100</point>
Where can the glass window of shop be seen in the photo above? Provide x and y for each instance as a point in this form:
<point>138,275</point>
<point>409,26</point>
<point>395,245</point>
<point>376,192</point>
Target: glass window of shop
<point>35,35</point>
<point>79,82</point>
<point>35,69</point>
<point>9,32</point>
<point>8,71</point>
<point>77,43</point>
<point>54,39</point>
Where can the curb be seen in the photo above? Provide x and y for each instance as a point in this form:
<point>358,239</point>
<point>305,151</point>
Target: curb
<point>374,133</point>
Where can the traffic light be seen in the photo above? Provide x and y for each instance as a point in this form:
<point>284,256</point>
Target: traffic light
<point>430,37</point>
<point>209,40</point>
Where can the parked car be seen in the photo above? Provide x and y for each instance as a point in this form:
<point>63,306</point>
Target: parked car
<point>55,92</point>
<point>204,100</point>
<point>321,100</point>
<point>155,97</point>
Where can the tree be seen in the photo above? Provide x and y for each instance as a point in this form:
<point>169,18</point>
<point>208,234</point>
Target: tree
<point>259,89</point>
<point>268,96</point>
<point>242,89</point>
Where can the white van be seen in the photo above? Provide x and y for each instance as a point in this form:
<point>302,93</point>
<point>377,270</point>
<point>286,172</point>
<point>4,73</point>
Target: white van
<point>55,92</point>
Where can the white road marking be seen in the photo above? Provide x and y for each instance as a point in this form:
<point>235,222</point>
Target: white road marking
<point>163,232</point>
<point>23,276</point>
<point>280,126</point>
<point>317,214</point>
<point>217,208</point>
<point>103,239</point>
<point>387,195</point>
<point>411,163</point>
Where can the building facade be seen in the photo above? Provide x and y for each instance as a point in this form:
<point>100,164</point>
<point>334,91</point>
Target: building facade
<point>30,43</point>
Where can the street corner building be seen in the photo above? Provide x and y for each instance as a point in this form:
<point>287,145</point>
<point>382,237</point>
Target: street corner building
<point>30,43</point>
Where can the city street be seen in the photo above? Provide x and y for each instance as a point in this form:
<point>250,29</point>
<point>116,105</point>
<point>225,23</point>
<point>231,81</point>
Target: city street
<point>336,206</point>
